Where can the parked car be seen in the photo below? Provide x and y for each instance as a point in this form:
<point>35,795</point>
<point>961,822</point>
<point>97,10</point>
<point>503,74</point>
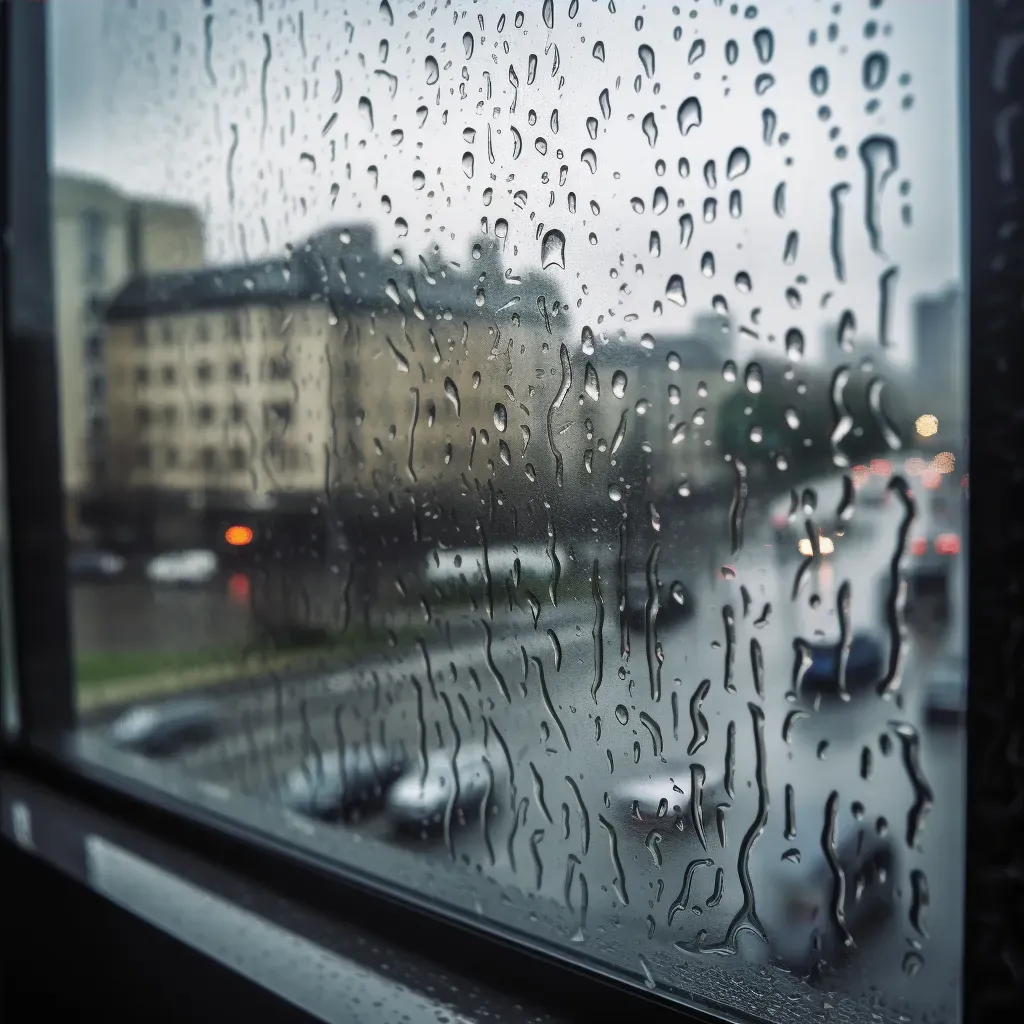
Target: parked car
<point>182,567</point>
<point>662,802</point>
<point>336,787</point>
<point>417,803</point>
<point>796,884</point>
<point>864,666</point>
<point>167,729</point>
<point>945,696</point>
<point>95,564</point>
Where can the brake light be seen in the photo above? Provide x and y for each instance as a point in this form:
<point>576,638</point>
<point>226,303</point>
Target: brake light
<point>881,467</point>
<point>918,546</point>
<point>860,475</point>
<point>947,544</point>
<point>238,536</point>
<point>779,520</point>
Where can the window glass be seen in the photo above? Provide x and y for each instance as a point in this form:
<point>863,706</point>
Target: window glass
<point>588,557</point>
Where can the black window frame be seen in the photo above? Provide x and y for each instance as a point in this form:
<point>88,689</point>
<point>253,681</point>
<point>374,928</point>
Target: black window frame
<point>39,749</point>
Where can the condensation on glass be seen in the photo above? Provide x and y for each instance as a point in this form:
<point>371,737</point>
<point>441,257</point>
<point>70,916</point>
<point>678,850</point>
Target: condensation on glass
<point>523,449</point>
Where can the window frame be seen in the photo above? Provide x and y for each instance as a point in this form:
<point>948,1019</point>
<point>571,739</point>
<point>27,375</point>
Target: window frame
<point>993,78</point>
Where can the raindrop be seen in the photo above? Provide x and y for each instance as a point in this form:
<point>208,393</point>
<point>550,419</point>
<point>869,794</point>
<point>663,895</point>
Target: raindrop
<point>647,59</point>
<point>366,109</point>
<point>707,264</point>
<point>696,51</point>
<point>689,115</point>
<point>685,230</point>
<point>541,145</point>
<point>673,361</point>
<point>637,203</point>
<point>660,202</point>
<point>875,70</point>
<point>598,52</point>
<point>650,129</point>
<point>621,714</point>
<point>467,164</point>
<point>654,244</point>
<point>452,393</point>
<point>591,384</point>
<point>589,157</point>
<point>500,417</point>
<point>418,180</point>
<point>619,384</point>
<point>675,291</point>
<point>795,344</point>
<point>548,13</point>
<point>615,492</point>
<point>753,377</point>
<point>605,102</point>
<point>819,80</point>
<point>501,229</point>
<point>764,43</point>
<point>735,203</point>
<point>768,124</point>
<point>732,51</point>
<point>743,281</point>
<point>433,72</point>
<point>552,250</point>
<point>678,592</point>
<point>592,127</point>
<point>739,163</point>
<point>763,83</point>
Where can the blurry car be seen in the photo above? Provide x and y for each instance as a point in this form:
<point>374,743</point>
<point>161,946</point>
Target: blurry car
<point>182,567</point>
<point>526,565</point>
<point>795,892</point>
<point>417,803</point>
<point>163,730</point>
<point>945,696</point>
<point>662,802</point>
<point>934,556</point>
<point>864,666</point>
<point>336,787</point>
<point>95,564</point>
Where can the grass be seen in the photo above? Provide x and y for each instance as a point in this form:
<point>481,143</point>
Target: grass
<point>113,677</point>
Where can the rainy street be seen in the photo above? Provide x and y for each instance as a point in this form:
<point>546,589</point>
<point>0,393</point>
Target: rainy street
<point>548,709</point>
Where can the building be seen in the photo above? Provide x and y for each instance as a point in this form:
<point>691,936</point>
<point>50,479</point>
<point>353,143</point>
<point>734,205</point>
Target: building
<point>938,374</point>
<point>102,237</point>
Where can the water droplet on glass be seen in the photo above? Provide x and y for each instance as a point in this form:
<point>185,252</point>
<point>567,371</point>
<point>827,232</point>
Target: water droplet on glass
<point>707,264</point>
<point>647,59</point>
<point>675,291</point>
<point>764,44</point>
<point>650,129</point>
<point>598,51</point>
<point>591,385</point>
<point>589,157</point>
<point>794,344</point>
<point>875,70</point>
<point>419,179</point>
<point>678,592</point>
<point>621,714</point>
<point>552,249</point>
<point>500,417</point>
<point>738,164</point>
<point>467,164</point>
<point>548,12</point>
<point>587,340</point>
<point>433,72</point>
<point>697,49</point>
<point>763,83</point>
<point>452,393</point>
<point>637,203</point>
<point>615,492</point>
<point>732,51</point>
<point>660,202</point>
<point>753,378</point>
<point>673,361</point>
<point>689,114</point>
<point>729,371</point>
<point>819,80</point>
<point>619,382</point>
<point>366,109</point>
<point>467,44</point>
<point>743,281</point>
<point>654,244</point>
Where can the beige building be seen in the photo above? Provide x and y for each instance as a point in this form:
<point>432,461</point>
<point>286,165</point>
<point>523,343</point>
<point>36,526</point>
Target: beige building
<point>101,238</point>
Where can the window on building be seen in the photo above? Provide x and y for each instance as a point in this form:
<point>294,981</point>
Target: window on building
<point>237,458</point>
<point>97,387</point>
<point>142,375</point>
<point>204,372</point>
<point>94,247</point>
<point>234,326</point>
<point>94,346</point>
<point>170,415</point>
<point>204,414</point>
<point>237,412</point>
<point>277,415</point>
<point>167,332</point>
<point>141,334</point>
<point>143,456</point>
<point>172,457</point>
<point>236,370</point>
<point>169,374</point>
<point>202,330</point>
<point>208,458</point>
<point>279,368</point>
<point>143,416</point>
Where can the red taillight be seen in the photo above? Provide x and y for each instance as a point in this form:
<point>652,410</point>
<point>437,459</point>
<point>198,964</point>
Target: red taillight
<point>779,521</point>
<point>881,467</point>
<point>918,546</point>
<point>947,544</point>
<point>238,536</point>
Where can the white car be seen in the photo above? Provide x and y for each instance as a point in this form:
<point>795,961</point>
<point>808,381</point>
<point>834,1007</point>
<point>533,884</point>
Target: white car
<point>182,567</point>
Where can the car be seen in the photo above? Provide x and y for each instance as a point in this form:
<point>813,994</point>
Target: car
<point>864,666</point>
<point>196,566</point>
<point>166,729</point>
<point>417,803</point>
<point>342,786</point>
<point>945,695</point>
<point>95,564</point>
<point>935,560</point>
<point>796,885</point>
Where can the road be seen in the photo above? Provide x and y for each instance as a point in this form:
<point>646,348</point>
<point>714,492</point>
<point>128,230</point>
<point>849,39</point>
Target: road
<point>574,738</point>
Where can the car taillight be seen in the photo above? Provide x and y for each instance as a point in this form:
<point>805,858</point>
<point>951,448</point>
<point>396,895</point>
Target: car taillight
<point>947,544</point>
<point>918,546</point>
<point>779,520</point>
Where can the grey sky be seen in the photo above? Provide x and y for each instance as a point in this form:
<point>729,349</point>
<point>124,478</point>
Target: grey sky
<point>139,100</point>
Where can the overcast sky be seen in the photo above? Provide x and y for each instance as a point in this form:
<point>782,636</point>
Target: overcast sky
<point>233,106</point>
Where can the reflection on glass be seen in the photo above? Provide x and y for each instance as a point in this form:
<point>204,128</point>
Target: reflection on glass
<point>534,441</point>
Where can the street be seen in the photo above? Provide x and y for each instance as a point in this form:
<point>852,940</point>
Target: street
<point>584,740</point>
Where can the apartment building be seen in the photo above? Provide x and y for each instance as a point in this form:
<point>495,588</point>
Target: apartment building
<point>102,237</point>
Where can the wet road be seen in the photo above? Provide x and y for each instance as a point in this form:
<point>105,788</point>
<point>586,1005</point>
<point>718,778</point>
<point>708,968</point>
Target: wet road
<point>576,728</point>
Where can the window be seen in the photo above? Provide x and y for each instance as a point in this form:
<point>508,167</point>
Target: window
<point>94,247</point>
<point>141,335</point>
<point>97,387</point>
<point>143,415</point>
<point>609,465</point>
<point>142,375</point>
<point>167,332</point>
<point>170,415</point>
<point>94,346</point>
<point>168,374</point>
<point>277,415</point>
<point>143,456</point>
<point>172,457</point>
